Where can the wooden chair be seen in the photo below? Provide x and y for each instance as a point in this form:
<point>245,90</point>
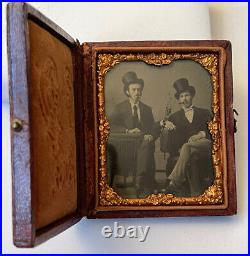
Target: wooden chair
<point>200,165</point>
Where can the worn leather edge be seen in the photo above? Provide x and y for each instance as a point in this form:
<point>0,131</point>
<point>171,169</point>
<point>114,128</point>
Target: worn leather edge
<point>231,178</point>
<point>89,127</point>
<point>24,231</point>
<point>80,132</point>
<point>23,223</point>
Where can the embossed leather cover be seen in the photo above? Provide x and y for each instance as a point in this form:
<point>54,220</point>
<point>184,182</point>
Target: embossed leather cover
<point>45,147</point>
<point>53,144</point>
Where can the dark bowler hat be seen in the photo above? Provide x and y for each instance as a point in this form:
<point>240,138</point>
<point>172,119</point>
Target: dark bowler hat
<point>182,85</point>
<point>131,78</point>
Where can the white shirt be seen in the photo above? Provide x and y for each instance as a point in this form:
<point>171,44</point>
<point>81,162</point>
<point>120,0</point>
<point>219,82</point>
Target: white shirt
<point>138,109</point>
<point>189,113</point>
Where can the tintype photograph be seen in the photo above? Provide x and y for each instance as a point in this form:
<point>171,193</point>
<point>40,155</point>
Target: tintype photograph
<point>159,141</point>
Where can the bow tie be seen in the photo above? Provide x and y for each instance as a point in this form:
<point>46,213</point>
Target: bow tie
<point>188,109</point>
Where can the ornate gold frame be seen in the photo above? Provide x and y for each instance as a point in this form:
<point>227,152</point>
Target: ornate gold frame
<point>215,195</point>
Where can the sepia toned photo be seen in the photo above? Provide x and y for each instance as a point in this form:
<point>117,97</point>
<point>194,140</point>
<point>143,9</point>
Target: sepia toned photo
<point>159,140</point>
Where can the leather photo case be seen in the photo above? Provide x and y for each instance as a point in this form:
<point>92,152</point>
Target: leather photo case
<point>99,129</point>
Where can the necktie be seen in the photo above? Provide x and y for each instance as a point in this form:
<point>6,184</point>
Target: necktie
<point>188,109</point>
<point>135,117</point>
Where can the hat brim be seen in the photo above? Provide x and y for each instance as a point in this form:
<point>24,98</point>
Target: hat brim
<point>190,89</point>
<point>137,81</point>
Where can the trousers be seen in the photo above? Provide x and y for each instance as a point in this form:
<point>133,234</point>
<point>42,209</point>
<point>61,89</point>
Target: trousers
<point>145,164</point>
<point>186,168</point>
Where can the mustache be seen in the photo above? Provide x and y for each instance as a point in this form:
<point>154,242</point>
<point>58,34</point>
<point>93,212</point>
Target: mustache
<point>182,102</point>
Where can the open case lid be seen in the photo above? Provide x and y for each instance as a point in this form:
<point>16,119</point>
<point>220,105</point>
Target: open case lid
<point>46,126</point>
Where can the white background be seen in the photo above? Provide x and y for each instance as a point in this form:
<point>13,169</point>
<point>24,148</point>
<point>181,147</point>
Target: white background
<point>148,21</point>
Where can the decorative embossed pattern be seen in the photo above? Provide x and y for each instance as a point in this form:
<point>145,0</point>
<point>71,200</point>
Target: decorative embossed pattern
<point>214,195</point>
<point>53,127</point>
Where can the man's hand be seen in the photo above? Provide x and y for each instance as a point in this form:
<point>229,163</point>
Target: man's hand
<point>168,125</point>
<point>134,131</point>
<point>148,138</point>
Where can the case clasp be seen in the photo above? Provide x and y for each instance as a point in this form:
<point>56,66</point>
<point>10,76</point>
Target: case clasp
<point>235,120</point>
<point>17,125</point>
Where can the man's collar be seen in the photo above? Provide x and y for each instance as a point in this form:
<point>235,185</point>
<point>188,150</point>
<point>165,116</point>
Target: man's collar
<point>188,109</point>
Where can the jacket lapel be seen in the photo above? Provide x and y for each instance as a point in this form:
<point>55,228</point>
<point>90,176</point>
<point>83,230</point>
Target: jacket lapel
<point>183,117</point>
<point>129,114</point>
<point>142,114</point>
<point>196,115</point>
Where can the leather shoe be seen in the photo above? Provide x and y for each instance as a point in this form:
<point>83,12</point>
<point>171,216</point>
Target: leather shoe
<point>172,189</point>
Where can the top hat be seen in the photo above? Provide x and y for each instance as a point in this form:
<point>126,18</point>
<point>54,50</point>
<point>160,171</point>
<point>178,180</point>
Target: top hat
<point>131,78</point>
<point>182,85</point>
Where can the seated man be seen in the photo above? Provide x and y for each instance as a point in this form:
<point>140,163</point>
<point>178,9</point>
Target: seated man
<point>136,118</point>
<point>188,138</point>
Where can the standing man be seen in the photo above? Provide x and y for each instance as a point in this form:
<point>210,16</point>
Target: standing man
<point>133,117</point>
<point>188,137</point>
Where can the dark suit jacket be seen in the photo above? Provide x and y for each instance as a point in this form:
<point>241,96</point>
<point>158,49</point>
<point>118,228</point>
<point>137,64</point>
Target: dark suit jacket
<point>122,118</point>
<point>184,129</point>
